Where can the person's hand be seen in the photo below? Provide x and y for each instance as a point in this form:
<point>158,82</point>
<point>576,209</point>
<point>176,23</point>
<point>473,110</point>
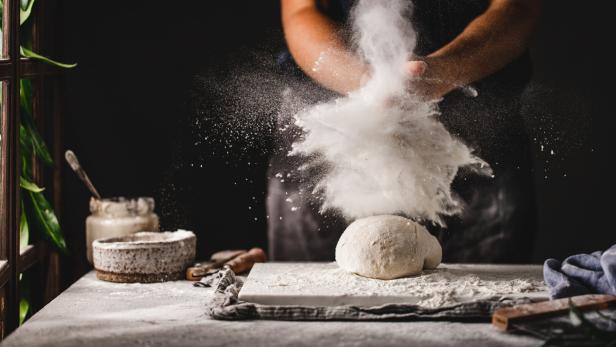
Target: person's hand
<point>427,79</point>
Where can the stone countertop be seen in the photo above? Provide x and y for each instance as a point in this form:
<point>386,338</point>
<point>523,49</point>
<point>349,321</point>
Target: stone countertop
<point>96,313</point>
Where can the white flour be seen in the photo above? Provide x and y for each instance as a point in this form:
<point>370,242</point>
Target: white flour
<point>383,148</point>
<point>449,284</point>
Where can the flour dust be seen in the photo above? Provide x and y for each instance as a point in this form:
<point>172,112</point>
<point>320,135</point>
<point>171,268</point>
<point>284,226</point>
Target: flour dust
<point>382,147</point>
<point>448,285</point>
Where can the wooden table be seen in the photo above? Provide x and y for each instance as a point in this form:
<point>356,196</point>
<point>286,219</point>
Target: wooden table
<point>96,313</point>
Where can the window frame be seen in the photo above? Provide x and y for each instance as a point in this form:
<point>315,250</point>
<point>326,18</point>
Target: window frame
<point>37,257</point>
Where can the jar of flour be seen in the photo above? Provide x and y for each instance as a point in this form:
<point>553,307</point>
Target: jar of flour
<point>119,216</point>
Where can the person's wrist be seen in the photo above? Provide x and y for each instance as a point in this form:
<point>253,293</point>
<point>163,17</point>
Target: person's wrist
<point>443,72</point>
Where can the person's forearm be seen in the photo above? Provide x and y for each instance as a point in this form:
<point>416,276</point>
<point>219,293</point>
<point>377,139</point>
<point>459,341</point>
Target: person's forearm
<point>487,44</point>
<point>314,42</point>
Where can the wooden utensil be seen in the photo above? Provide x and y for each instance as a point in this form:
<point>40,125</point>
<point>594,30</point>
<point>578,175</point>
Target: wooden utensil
<point>237,260</point>
<point>245,261</point>
<point>507,318</point>
<point>217,260</point>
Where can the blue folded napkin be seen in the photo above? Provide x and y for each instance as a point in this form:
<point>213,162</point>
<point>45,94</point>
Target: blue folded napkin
<point>580,274</point>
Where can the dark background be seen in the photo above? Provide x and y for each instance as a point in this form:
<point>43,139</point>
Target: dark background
<point>141,68</point>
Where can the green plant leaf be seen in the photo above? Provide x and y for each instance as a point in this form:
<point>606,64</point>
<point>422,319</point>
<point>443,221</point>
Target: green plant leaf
<point>24,230</point>
<point>25,287</point>
<point>25,9</point>
<point>30,54</point>
<point>25,96</point>
<point>28,185</point>
<point>30,138</point>
<point>25,141</point>
<point>24,307</point>
<point>38,209</point>
<point>35,143</point>
<point>43,214</point>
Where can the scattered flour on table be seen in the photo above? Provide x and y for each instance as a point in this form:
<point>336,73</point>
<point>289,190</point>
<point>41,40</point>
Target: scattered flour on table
<point>169,288</point>
<point>444,286</point>
<point>127,305</point>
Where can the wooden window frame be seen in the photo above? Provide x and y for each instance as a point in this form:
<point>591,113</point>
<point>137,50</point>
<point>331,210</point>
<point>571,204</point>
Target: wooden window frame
<point>46,113</point>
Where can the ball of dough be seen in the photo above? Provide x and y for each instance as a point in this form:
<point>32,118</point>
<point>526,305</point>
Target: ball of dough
<point>387,247</point>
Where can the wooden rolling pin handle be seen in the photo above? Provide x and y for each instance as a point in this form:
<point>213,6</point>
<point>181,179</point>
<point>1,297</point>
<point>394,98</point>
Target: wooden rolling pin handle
<point>221,257</point>
<point>505,318</point>
<point>245,261</point>
<point>218,260</point>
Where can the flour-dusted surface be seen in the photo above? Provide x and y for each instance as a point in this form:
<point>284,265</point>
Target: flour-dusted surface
<point>95,313</point>
<point>325,284</point>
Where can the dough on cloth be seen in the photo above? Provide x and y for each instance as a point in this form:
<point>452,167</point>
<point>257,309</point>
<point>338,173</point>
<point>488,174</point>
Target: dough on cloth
<point>387,247</point>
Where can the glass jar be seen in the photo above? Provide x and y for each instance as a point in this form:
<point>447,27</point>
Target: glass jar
<point>117,217</point>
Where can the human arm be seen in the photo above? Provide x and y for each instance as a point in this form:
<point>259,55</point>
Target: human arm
<point>486,45</point>
<point>317,47</point>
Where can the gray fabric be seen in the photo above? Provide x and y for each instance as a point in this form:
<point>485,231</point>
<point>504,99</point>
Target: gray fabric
<point>581,274</point>
<point>226,306</point>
